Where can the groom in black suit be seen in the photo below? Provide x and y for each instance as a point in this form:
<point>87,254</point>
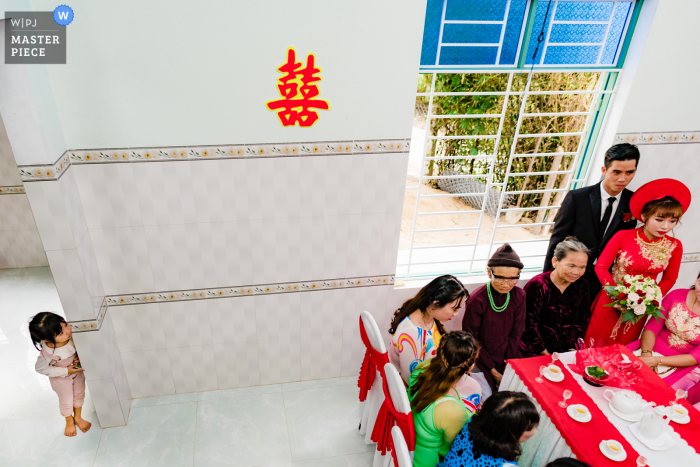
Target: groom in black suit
<point>595,213</point>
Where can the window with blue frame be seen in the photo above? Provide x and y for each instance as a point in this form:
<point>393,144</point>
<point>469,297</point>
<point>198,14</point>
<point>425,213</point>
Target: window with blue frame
<point>472,33</point>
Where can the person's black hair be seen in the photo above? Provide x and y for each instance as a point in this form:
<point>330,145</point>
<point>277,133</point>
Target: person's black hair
<point>692,287</point>
<point>621,152</point>
<point>496,428</point>
<point>567,462</point>
<point>439,292</point>
<point>45,326</point>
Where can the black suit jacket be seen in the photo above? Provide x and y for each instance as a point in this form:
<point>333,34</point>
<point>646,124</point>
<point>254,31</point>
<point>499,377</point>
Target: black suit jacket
<point>579,216</point>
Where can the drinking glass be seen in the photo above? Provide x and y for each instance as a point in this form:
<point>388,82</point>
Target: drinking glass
<point>567,395</point>
<point>555,357</point>
<point>539,378</point>
<point>641,461</point>
<point>680,394</point>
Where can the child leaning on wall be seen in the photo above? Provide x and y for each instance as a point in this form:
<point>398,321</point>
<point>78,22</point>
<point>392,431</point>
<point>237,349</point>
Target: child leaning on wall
<point>59,361</point>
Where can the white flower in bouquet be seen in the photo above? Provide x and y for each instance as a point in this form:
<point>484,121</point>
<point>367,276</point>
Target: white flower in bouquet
<point>633,297</point>
<point>650,293</point>
<point>640,309</point>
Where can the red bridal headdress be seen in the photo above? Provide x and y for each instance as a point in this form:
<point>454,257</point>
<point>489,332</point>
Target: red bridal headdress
<point>658,189</point>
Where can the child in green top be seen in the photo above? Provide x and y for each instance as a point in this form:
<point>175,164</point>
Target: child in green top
<point>438,412</point>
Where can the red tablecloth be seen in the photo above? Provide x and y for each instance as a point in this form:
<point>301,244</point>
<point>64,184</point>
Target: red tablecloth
<point>582,438</point>
<point>654,388</point>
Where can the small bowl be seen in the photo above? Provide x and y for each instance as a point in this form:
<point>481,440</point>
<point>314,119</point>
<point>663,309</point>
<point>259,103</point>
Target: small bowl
<point>592,380</point>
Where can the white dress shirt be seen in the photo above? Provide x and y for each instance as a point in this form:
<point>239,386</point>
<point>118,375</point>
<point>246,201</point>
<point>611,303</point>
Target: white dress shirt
<point>604,196</point>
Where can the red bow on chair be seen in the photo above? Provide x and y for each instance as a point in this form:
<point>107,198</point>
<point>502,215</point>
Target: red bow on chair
<point>371,362</point>
<point>386,418</point>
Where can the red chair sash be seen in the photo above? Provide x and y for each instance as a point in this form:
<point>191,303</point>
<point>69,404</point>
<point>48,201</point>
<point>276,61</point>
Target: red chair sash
<point>386,418</point>
<point>373,360</point>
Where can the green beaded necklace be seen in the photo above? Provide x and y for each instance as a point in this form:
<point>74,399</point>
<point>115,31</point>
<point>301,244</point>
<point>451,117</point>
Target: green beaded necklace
<point>493,305</point>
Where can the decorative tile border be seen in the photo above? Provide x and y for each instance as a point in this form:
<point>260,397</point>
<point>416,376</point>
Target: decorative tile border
<point>262,289</point>
<point>33,173</point>
<point>690,257</point>
<point>675,137</point>
<point>92,324</point>
<point>241,151</point>
<point>11,190</point>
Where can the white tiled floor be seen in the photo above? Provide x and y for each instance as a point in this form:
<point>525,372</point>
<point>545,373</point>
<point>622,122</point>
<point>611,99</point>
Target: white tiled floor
<point>304,424</point>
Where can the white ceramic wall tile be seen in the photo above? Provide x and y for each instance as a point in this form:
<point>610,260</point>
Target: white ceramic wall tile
<point>73,204</point>
<point>276,255</point>
<point>166,193</point>
<point>15,213</point>
<point>359,244</point>
<point>106,400</point>
<point>148,373</point>
<point>322,312</point>
<point>226,253</point>
<point>254,184</point>
<point>122,386</point>
<point>279,359</point>
<point>52,220</point>
<point>353,353</point>
<point>312,248</point>
<point>232,319</point>
<point>71,285</point>
<point>93,356</point>
<point>138,327</point>
<point>335,254</point>
<point>234,188</point>
<point>208,184</point>
<point>237,364</point>
<point>176,256</point>
<point>9,175</point>
<point>312,186</point>
<point>123,261</point>
<point>91,272</point>
<point>367,165</point>
<point>111,347</point>
<point>108,194</point>
<point>371,299</point>
<point>21,249</point>
<point>393,189</point>
<point>186,323</point>
<point>194,368</point>
<point>277,188</point>
<point>321,356</point>
<point>277,315</point>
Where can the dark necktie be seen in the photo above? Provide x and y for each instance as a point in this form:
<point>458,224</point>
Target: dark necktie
<point>606,217</point>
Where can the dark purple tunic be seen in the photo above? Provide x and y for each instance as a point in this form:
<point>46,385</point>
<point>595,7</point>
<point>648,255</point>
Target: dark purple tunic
<point>499,333</point>
<point>554,320</point>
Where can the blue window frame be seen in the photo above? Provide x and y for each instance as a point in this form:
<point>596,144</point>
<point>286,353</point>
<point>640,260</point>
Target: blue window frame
<point>493,33</point>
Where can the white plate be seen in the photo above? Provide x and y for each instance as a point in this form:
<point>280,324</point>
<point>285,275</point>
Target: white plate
<point>682,421</point>
<point>550,376</point>
<point>630,418</point>
<point>662,443</point>
<point>571,410</point>
<point>613,457</point>
<point>660,368</point>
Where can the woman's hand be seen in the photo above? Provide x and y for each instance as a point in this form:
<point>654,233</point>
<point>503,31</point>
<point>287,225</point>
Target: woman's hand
<point>651,362</point>
<point>544,352</point>
<point>497,376</point>
<point>72,370</point>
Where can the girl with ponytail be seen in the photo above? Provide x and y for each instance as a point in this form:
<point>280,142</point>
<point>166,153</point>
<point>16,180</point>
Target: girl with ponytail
<point>417,326</point>
<point>439,411</point>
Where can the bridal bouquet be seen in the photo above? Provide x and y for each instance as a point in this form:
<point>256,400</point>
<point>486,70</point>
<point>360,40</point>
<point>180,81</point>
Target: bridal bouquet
<point>635,297</point>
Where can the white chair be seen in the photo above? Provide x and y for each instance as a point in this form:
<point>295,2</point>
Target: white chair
<point>399,399</point>
<point>402,454</point>
<point>375,397</point>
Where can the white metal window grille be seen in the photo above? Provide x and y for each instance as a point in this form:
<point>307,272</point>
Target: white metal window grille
<point>430,259</point>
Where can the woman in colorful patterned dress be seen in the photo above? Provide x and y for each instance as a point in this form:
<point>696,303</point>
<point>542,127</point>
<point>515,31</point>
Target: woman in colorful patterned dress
<point>417,326</point>
<point>677,338</point>
<point>646,251</point>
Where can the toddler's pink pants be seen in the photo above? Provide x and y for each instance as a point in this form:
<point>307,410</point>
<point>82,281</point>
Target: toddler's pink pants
<point>70,390</point>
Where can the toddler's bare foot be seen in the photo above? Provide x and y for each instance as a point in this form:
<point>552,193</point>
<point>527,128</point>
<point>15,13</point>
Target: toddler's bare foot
<point>70,427</point>
<point>84,425</point>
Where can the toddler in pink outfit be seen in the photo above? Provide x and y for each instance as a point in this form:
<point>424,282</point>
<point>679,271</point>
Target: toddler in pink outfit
<point>59,361</point>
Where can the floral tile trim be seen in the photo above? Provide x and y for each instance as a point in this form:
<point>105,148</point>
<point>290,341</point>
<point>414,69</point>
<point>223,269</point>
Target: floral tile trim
<point>659,138</point>
<point>32,173</point>
<point>11,190</point>
<point>90,325</point>
<point>241,151</point>
<point>264,289</point>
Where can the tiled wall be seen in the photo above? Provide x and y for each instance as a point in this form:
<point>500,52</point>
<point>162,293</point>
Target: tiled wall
<point>165,238</point>
<point>20,245</point>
